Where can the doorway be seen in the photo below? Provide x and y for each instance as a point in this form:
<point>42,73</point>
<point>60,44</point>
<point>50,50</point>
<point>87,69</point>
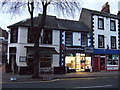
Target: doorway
<point>102,63</point>
<point>12,60</point>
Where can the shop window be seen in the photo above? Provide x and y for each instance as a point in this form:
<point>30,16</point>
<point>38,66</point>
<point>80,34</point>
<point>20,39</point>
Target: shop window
<point>112,60</point>
<point>84,39</point>
<point>45,61</point>
<point>68,38</point>
<point>101,23</point>
<point>112,25</point>
<point>70,62</point>
<point>100,41</point>
<point>113,42</point>
<point>14,35</point>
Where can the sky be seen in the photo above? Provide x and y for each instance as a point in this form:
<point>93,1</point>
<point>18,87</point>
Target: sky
<point>6,19</point>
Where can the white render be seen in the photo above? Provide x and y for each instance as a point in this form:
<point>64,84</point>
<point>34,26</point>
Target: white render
<point>106,32</point>
<point>76,39</point>
<point>22,42</point>
<point>119,6</point>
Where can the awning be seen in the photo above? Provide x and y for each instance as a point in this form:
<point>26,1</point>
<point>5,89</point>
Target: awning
<point>43,50</point>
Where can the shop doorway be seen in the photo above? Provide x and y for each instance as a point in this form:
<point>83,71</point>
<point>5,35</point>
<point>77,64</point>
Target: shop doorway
<point>102,63</point>
<point>96,64</point>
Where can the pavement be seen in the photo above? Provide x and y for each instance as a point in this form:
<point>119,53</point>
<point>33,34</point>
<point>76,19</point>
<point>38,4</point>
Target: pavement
<point>49,77</point>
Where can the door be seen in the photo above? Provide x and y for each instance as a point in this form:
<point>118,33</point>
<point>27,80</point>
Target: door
<point>13,65</point>
<point>102,63</point>
<point>96,64</point>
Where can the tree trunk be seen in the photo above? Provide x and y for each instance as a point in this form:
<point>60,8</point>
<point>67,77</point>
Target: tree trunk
<point>36,43</point>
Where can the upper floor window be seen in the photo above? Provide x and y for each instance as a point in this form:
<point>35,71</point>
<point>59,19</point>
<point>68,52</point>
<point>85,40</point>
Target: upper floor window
<point>68,38</point>
<point>113,42</point>
<point>31,35</point>
<point>47,37</point>
<point>83,39</point>
<point>14,35</point>
<point>112,25</point>
<point>100,23</point>
<point>100,41</point>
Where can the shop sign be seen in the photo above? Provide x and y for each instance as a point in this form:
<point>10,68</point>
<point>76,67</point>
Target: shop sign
<point>22,59</point>
<point>74,49</point>
<point>89,49</point>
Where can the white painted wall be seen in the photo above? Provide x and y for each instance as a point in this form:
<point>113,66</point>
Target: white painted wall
<point>21,51</point>
<point>22,34</point>
<point>106,32</point>
<point>22,42</point>
<point>55,60</point>
<point>56,43</point>
<point>119,6</point>
<point>76,39</point>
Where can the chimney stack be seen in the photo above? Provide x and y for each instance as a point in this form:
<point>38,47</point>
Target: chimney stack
<point>106,8</point>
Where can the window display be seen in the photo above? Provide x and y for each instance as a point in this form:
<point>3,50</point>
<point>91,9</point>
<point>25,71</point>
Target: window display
<point>79,62</point>
<point>112,59</point>
<point>88,63</point>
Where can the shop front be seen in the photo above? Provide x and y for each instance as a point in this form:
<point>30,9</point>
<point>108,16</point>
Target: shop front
<point>106,60</point>
<point>77,60</point>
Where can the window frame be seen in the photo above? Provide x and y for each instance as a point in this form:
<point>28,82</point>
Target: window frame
<point>114,43</point>
<point>112,21</point>
<point>43,40</point>
<point>102,41</point>
<point>85,40</point>
<point>102,19</point>
<point>112,60</point>
<point>14,35</point>
<point>68,37</point>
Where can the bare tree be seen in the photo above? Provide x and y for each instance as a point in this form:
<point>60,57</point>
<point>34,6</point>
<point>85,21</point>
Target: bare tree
<point>66,7</point>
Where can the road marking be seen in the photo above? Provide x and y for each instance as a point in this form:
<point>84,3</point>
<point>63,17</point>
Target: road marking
<point>93,86</point>
<point>46,81</point>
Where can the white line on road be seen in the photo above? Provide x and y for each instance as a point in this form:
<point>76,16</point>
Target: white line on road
<point>94,86</point>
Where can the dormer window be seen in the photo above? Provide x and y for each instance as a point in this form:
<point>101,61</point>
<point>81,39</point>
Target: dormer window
<point>112,25</point>
<point>101,23</point>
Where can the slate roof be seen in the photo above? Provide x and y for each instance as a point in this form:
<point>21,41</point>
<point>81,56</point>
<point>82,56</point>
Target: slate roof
<point>72,25</point>
<point>86,16</point>
<point>53,23</point>
<point>49,23</point>
<point>101,13</point>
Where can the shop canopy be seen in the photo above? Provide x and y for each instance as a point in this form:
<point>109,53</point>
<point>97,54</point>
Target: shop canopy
<point>43,50</point>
